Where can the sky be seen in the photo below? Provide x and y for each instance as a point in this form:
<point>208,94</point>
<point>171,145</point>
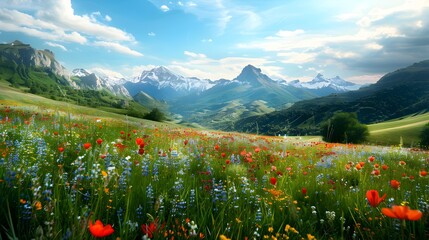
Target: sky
<point>359,41</point>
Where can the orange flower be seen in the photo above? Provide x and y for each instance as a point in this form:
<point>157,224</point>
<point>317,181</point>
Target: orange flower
<point>99,230</point>
<point>423,173</point>
<point>402,163</point>
<point>373,198</point>
<point>358,166</point>
<point>371,159</point>
<point>384,167</point>
<point>402,212</point>
<point>395,184</point>
<point>38,205</point>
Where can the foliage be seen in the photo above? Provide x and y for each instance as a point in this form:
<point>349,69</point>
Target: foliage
<point>344,128</point>
<point>424,137</point>
<point>155,115</point>
<point>60,171</point>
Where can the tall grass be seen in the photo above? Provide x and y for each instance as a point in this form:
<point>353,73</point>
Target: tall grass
<point>177,180</point>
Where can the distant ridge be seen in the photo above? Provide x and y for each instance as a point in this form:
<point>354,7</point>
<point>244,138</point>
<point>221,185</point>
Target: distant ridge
<point>399,93</point>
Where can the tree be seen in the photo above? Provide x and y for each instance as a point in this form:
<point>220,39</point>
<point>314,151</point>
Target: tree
<point>344,127</point>
<point>155,115</point>
<point>424,137</point>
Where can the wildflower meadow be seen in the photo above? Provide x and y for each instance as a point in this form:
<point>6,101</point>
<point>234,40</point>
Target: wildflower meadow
<point>72,176</point>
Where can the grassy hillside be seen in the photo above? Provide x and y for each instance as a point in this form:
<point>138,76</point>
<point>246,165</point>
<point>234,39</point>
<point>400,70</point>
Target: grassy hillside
<point>390,132</point>
<point>10,96</point>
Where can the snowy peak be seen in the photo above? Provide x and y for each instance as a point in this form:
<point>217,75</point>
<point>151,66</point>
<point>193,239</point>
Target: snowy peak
<point>321,82</point>
<point>162,83</point>
<point>80,72</point>
<point>94,81</point>
<point>158,74</point>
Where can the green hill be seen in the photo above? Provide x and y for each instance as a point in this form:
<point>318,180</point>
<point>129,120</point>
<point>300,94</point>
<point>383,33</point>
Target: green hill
<point>391,132</point>
<point>397,94</point>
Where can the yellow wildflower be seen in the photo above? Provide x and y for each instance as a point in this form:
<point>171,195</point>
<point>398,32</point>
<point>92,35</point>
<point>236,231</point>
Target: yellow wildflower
<point>310,237</point>
<point>223,237</point>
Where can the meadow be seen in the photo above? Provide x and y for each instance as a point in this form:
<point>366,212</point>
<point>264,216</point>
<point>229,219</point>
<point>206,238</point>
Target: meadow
<point>65,175</point>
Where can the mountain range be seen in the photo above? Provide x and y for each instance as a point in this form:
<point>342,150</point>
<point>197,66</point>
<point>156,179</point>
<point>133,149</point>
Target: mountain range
<point>397,94</point>
<point>251,102</point>
<point>219,103</point>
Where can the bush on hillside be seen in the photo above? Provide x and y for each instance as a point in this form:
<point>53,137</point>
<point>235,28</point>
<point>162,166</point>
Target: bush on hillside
<point>344,128</point>
<point>155,115</point>
<point>424,137</point>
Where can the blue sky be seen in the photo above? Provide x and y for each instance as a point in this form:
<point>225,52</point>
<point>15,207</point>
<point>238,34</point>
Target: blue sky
<point>288,39</point>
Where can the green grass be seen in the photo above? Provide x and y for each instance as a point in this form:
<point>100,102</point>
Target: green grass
<point>221,181</point>
<point>390,132</point>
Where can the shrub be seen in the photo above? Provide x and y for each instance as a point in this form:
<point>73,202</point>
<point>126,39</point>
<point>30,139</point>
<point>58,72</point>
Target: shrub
<point>344,128</point>
<point>424,137</point>
<point>155,115</point>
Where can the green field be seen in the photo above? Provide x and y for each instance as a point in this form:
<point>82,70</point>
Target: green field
<point>62,167</point>
<point>390,132</point>
<point>385,133</point>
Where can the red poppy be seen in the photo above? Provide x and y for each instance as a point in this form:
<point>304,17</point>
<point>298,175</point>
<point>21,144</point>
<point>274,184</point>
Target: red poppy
<point>384,167</point>
<point>402,212</point>
<point>273,180</point>
<point>87,145</point>
<point>373,198</point>
<point>141,151</point>
<point>395,184</point>
<point>99,230</point>
<point>228,161</point>
<point>60,149</point>
<point>185,142</point>
<point>304,191</point>
<point>257,150</point>
<point>371,159</point>
<point>423,173</point>
<point>99,141</point>
<point>139,141</point>
<point>149,229</point>
<point>216,147</point>
<point>223,155</point>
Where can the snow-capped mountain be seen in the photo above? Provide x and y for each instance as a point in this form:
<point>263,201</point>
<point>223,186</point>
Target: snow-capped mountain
<point>337,84</point>
<point>161,83</point>
<point>89,80</point>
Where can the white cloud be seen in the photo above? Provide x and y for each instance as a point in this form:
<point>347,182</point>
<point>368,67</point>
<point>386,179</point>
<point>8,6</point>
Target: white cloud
<point>165,8</point>
<point>117,47</point>
<point>297,57</point>
<point>106,72</point>
<point>56,45</point>
<point>194,55</point>
<point>107,18</point>
<point>54,20</point>
<point>134,71</point>
<point>191,4</point>
<point>374,46</point>
<point>151,34</point>
<point>419,24</point>
<point>228,68</point>
<point>362,79</point>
